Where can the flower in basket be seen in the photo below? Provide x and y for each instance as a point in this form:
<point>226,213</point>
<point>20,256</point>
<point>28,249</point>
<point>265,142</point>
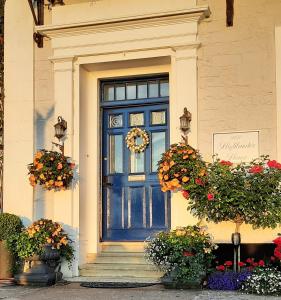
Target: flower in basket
<point>33,239</point>
<point>181,167</point>
<point>51,169</point>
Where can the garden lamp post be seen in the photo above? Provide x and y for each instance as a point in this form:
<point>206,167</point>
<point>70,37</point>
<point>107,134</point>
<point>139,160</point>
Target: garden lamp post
<point>60,128</point>
<point>185,120</point>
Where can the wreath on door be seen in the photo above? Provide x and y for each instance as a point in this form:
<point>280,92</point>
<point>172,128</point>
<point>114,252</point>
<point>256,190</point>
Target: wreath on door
<point>131,137</point>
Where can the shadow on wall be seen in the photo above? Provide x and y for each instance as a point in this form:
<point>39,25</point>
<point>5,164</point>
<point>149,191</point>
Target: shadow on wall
<point>43,200</point>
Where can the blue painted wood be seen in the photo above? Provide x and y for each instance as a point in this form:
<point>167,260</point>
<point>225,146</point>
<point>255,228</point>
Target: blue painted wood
<point>132,210</point>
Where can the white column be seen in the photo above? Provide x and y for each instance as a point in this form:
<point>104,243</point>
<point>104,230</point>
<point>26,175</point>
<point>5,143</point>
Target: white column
<point>183,94</point>
<point>278,88</point>
<point>19,109</point>
<point>66,206</point>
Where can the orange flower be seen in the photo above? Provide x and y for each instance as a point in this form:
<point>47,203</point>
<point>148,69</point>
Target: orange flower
<point>202,172</point>
<point>59,166</point>
<point>166,168</point>
<point>51,182</point>
<point>185,157</point>
<point>177,175</point>
<point>164,189</point>
<point>58,183</point>
<point>38,155</point>
<point>160,176</point>
<point>190,151</point>
<point>161,170</point>
<point>39,166</point>
<point>175,183</point>
<point>35,162</point>
<point>172,163</point>
<point>185,179</point>
<point>166,177</point>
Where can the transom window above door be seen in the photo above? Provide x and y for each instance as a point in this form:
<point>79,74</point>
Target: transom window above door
<point>137,89</point>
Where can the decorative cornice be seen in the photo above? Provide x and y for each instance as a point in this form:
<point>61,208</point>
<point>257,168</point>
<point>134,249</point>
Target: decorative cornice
<point>188,15</point>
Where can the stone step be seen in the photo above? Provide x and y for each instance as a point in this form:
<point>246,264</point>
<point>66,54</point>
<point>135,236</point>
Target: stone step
<point>122,247</point>
<point>118,259</point>
<point>113,279</point>
<point>118,266</point>
<point>105,273</point>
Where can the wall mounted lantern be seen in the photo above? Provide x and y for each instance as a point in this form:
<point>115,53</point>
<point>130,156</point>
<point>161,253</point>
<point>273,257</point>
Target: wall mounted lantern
<point>60,129</point>
<point>185,121</point>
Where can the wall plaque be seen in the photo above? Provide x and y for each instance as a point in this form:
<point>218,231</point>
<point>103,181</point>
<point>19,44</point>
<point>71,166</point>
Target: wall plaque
<point>236,146</point>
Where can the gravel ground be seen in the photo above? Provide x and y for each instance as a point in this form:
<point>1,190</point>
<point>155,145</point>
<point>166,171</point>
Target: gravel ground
<point>73,291</point>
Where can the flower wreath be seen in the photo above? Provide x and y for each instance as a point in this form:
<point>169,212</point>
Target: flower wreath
<point>131,140</point>
<point>51,169</point>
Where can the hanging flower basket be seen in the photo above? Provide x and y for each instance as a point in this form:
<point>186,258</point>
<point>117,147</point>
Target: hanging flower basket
<point>131,137</point>
<point>51,169</point>
<point>181,167</point>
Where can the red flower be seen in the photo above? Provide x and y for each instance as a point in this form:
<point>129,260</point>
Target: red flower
<point>226,163</point>
<point>199,181</point>
<point>187,253</point>
<point>186,194</point>
<point>228,263</point>
<point>277,241</point>
<point>256,169</point>
<point>249,260</point>
<point>210,197</point>
<point>274,164</point>
<point>261,263</point>
<point>241,264</point>
<point>277,252</point>
<point>220,268</point>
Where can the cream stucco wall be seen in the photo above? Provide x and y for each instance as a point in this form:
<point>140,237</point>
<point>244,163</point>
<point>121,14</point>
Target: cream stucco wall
<point>230,87</point>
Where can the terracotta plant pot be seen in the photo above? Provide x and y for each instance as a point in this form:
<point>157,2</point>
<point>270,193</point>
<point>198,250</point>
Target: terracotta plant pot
<point>6,262</point>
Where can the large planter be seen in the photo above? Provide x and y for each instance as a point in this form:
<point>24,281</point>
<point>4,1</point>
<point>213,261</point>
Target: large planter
<point>6,262</point>
<point>42,270</point>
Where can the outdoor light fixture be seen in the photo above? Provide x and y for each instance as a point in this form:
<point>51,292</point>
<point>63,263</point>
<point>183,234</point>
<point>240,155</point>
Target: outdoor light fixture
<point>185,120</point>
<point>236,238</point>
<point>56,2</point>
<point>60,129</point>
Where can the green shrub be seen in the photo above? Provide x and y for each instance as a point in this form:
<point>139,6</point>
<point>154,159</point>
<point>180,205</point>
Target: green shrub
<point>9,225</point>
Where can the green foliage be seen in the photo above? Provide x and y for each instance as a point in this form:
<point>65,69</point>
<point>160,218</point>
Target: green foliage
<point>32,240</point>
<point>247,192</point>
<point>9,224</point>
<point>184,253</point>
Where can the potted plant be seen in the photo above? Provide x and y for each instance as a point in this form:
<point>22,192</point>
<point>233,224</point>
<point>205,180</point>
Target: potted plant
<point>43,245</point>
<point>52,170</point>
<point>184,254</point>
<point>9,224</point>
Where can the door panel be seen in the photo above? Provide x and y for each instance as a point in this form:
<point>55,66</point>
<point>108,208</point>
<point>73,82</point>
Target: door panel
<point>134,207</point>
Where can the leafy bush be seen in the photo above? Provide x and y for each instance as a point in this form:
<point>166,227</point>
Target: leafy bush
<point>32,240</point>
<point>184,253</point>
<point>227,281</point>
<point>263,281</point>
<point>247,192</point>
<point>9,224</point>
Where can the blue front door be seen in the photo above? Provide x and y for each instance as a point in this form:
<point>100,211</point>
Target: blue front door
<point>133,205</point>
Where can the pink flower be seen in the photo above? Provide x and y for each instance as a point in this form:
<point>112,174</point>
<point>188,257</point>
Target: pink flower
<point>261,263</point>
<point>185,194</point>
<point>199,181</point>
<point>210,196</point>
<point>241,264</point>
<point>220,268</point>
<point>228,263</point>
<point>249,260</point>
<point>256,169</point>
<point>226,163</point>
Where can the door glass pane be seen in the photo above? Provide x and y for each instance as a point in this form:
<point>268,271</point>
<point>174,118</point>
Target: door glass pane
<point>153,89</point>
<point>116,154</point>
<point>158,117</point>
<point>137,159</point>
<point>131,91</point>
<point>136,119</point>
<point>120,91</point>
<point>158,147</point>
<point>142,90</point>
<point>115,121</point>
<point>164,88</point>
<point>108,92</point>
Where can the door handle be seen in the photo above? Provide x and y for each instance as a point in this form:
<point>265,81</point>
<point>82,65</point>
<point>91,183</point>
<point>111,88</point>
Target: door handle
<point>105,181</point>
